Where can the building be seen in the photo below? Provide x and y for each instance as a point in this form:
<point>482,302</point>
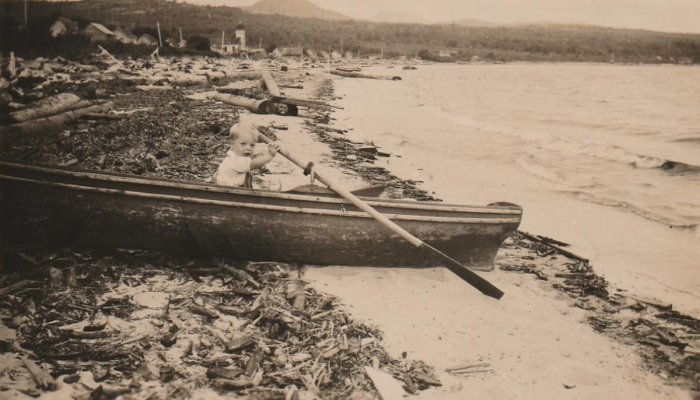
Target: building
<point>240,35</point>
<point>447,54</point>
<point>63,26</point>
<point>124,36</point>
<point>147,40</point>
<point>335,55</point>
<point>98,32</point>
<point>292,52</point>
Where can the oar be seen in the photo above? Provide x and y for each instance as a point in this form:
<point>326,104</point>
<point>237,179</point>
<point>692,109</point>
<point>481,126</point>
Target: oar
<point>453,265</point>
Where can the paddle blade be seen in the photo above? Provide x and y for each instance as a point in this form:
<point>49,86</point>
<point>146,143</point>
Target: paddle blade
<point>460,270</point>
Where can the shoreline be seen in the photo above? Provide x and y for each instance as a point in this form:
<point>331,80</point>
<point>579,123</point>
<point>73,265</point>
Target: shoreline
<point>597,309</point>
<point>537,338</point>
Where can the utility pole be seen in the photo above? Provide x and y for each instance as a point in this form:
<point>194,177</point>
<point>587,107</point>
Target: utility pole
<point>341,44</point>
<point>160,38</point>
<point>25,14</point>
<point>260,44</point>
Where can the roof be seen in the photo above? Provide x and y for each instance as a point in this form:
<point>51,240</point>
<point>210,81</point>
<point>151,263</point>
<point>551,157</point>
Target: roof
<point>125,33</point>
<point>100,28</point>
<point>240,26</point>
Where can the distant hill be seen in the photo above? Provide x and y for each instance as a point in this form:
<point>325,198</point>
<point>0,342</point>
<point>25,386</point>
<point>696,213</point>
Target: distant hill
<point>398,17</point>
<point>476,23</point>
<point>295,8</point>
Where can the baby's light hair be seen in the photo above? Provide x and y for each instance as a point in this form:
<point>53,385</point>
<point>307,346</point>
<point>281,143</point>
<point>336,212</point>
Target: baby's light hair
<point>242,127</point>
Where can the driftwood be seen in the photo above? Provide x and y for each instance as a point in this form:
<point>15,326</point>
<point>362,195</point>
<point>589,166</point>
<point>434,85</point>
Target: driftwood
<point>366,76</point>
<point>270,83</point>
<point>556,248</point>
<point>45,107</point>
<point>240,275</point>
<point>42,378</point>
<point>103,116</point>
<point>11,288</point>
<point>55,122</point>
<point>349,69</point>
<point>253,105</point>
<point>304,103</point>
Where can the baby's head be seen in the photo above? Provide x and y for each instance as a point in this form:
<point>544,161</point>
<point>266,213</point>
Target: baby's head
<point>244,138</point>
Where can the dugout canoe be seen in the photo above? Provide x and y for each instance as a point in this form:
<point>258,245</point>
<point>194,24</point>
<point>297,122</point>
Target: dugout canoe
<point>49,207</point>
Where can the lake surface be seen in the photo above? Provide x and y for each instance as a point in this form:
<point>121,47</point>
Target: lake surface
<point>602,156</point>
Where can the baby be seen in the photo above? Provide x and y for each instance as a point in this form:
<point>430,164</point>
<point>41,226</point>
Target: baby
<point>235,169</point>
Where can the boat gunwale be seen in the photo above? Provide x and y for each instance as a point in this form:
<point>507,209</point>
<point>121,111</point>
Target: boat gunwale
<point>208,187</point>
<point>267,207</point>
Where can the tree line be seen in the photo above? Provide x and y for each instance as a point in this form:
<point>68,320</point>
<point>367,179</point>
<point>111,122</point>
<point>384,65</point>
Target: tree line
<point>521,43</point>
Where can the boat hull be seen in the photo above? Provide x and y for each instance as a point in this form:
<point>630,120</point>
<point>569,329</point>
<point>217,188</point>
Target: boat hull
<point>48,207</point>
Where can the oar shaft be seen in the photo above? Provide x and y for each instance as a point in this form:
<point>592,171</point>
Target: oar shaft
<point>453,265</point>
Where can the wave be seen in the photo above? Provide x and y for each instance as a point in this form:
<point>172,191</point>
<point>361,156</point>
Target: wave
<point>679,168</point>
<point>568,146</point>
<point>634,209</point>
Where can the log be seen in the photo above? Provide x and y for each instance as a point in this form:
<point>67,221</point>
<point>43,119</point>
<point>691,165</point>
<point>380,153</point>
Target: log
<point>42,378</point>
<point>103,116</point>
<point>304,103</point>
<point>558,249</point>
<point>253,105</point>
<point>11,288</point>
<point>366,76</point>
<point>270,83</point>
<point>45,107</point>
<point>53,122</point>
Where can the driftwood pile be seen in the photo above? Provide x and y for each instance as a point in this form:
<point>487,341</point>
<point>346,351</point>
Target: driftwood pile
<point>50,114</point>
<point>136,322</point>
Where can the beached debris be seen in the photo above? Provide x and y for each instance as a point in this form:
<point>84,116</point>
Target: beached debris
<point>143,315</point>
<point>53,123</point>
<point>366,76</point>
<point>45,107</point>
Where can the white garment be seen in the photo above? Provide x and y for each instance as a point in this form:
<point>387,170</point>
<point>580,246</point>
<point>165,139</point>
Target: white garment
<point>232,170</point>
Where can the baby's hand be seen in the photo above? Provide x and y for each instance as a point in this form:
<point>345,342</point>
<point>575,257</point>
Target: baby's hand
<point>273,148</point>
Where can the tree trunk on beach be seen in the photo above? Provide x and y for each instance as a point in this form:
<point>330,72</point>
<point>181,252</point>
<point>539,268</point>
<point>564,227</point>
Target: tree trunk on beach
<point>45,107</point>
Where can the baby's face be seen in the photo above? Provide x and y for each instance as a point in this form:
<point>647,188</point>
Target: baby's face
<point>244,144</point>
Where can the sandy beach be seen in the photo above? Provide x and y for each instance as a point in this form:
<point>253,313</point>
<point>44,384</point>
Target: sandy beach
<point>547,338</point>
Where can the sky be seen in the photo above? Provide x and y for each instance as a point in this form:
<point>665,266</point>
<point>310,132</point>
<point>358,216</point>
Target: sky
<point>659,15</point>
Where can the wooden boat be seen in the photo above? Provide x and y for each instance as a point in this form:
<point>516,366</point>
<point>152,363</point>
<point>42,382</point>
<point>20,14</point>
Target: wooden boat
<point>56,207</point>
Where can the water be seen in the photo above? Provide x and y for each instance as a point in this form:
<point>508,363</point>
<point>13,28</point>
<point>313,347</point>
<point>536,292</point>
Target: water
<point>585,149</point>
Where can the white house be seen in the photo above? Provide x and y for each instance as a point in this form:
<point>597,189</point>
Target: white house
<point>62,26</point>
